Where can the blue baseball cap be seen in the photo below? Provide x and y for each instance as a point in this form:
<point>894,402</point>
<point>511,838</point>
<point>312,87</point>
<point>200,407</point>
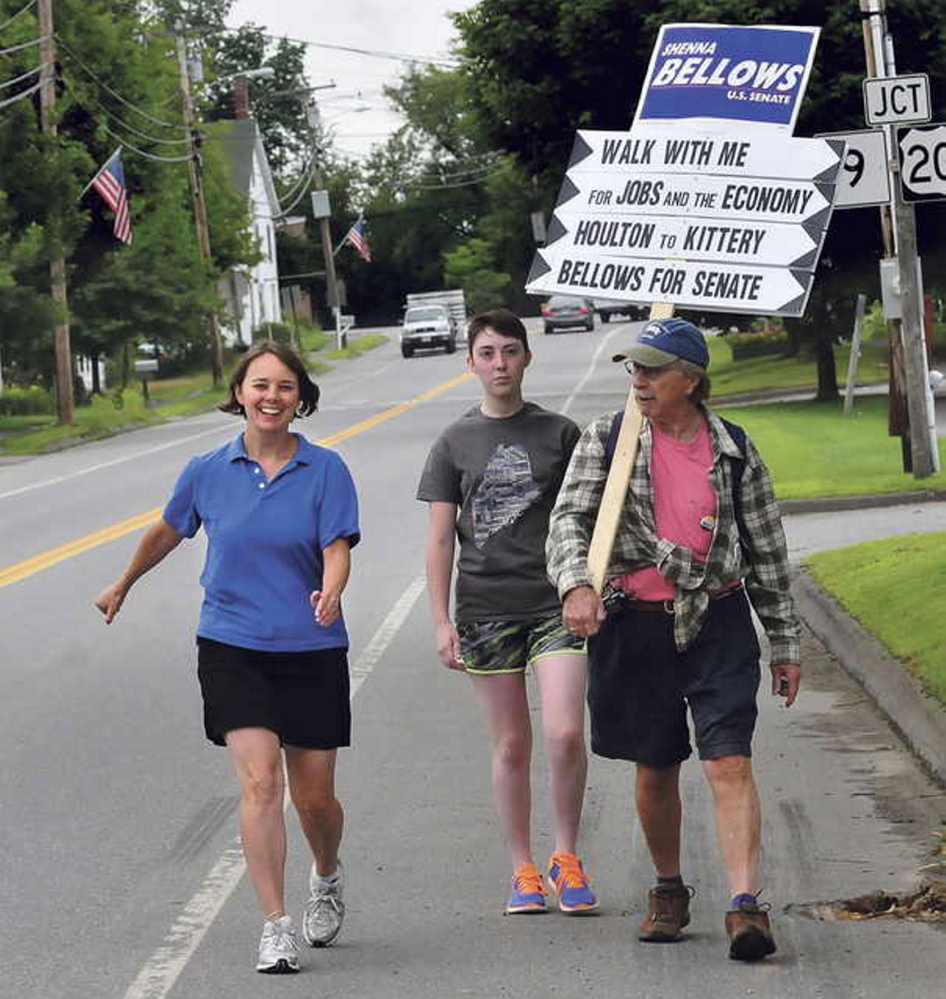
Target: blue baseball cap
<point>663,341</point>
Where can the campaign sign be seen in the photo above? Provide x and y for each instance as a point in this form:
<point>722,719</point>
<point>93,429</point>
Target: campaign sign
<point>691,238</point>
<point>756,75</point>
<point>690,284</point>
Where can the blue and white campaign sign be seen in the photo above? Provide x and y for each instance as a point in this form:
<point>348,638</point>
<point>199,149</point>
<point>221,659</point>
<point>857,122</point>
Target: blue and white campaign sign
<point>755,75</point>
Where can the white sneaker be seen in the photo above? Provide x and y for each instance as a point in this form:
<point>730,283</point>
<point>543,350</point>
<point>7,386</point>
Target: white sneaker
<point>278,947</point>
<point>324,911</point>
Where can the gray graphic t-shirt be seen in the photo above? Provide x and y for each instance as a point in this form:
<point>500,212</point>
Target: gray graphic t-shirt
<point>504,475</point>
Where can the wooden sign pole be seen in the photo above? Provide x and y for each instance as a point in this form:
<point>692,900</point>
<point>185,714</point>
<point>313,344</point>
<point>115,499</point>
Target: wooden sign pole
<point>619,477</point>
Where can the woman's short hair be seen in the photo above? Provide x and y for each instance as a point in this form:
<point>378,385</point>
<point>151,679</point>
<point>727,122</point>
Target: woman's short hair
<point>693,371</point>
<point>308,390</point>
<point>502,321</point>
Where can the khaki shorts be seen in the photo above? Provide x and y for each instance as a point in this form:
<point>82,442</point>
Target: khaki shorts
<point>509,646</point>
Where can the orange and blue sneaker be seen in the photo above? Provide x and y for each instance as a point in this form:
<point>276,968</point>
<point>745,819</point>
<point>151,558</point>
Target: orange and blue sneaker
<point>527,892</point>
<point>570,885</point>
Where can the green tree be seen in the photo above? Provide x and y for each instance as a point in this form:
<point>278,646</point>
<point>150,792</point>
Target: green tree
<point>471,267</point>
<point>118,85</point>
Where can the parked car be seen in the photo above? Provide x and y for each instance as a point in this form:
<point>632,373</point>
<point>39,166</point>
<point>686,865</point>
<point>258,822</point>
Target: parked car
<point>561,311</point>
<point>608,307</point>
<point>427,326</point>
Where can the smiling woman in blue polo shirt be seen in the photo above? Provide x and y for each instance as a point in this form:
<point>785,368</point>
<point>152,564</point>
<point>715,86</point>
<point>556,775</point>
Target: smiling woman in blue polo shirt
<point>281,517</point>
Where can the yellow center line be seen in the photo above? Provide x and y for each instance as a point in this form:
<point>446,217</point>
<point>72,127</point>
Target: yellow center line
<point>20,570</point>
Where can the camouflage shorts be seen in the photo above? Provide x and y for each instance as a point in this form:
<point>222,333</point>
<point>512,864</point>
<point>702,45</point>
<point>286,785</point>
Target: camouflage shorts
<point>509,646</point>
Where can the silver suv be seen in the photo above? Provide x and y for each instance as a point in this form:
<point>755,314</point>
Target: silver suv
<point>428,326</point>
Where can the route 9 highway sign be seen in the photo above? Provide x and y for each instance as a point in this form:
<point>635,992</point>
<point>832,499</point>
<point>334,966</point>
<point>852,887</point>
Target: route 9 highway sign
<point>922,162</point>
<point>863,179</point>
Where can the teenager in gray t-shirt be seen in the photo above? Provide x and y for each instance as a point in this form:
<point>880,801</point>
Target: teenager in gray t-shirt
<point>491,481</point>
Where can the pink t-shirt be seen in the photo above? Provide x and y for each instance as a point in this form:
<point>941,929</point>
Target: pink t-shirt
<point>684,505</point>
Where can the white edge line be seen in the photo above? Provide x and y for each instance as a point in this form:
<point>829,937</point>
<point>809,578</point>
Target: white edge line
<point>109,464</point>
<point>591,367</point>
<point>160,972</point>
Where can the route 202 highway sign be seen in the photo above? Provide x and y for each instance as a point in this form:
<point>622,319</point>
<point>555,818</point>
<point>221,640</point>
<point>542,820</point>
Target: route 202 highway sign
<point>922,162</point>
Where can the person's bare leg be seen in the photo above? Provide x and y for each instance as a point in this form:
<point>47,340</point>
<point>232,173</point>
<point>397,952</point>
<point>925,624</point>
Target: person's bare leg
<point>312,790</point>
<point>738,820</point>
<point>657,793</point>
<point>258,761</point>
<point>562,679</point>
<point>503,700</point>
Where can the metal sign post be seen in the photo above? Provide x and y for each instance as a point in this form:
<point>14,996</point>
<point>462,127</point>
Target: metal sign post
<point>901,100</point>
<point>855,353</point>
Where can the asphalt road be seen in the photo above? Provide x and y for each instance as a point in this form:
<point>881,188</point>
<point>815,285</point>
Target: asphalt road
<point>118,863</point>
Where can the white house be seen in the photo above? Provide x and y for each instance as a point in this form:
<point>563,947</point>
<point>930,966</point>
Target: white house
<point>251,293</point>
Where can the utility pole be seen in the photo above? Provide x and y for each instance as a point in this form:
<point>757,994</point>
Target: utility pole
<point>924,455</point>
<point>65,400</point>
<point>328,250</point>
<point>197,199</point>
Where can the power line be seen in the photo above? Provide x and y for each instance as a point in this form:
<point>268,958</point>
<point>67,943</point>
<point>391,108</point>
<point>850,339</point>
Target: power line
<point>374,53</point>
<point>6,24</point>
<point>17,79</point>
<point>116,95</point>
<point>24,45</point>
<point>141,152</point>
<point>135,131</point>
<point>21,96</point>
<point>283,212</point>
<point>445,187</point>
<point>304,177</point>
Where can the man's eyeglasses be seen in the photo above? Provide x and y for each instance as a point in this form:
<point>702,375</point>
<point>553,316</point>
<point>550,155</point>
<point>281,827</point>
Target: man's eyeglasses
<point>633,368</point>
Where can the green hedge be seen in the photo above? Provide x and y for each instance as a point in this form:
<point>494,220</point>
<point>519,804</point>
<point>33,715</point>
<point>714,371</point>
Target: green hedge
<point>746,345</point>
<point>26,401</point>
<point>280,332</point>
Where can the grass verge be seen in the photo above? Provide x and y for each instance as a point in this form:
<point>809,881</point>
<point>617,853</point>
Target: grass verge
<point>367,341</point>
<point>186,395</point>
<point>755,374</point>
<point>896,589</point>
<point>812,449</point>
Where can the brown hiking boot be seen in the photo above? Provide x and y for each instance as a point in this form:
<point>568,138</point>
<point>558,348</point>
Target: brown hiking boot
<point>669,913</point>
<point>749,932</point>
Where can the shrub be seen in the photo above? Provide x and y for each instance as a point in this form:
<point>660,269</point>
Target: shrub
<point>26,401</point>
<point>745,345</point>
<point>280,332</point>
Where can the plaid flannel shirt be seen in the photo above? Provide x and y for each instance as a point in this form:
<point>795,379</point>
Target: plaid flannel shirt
<point>764,568</point>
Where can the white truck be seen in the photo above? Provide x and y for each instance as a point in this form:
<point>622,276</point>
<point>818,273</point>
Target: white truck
<point>433,319</point>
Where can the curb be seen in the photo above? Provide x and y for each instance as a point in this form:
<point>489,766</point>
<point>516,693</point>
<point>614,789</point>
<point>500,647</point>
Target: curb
<point>833,504</point>
<point>917,717</point>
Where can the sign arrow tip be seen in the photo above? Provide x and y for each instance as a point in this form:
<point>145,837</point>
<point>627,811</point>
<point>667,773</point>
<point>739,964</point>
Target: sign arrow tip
<point>580,150</point>
<point>539,268</point>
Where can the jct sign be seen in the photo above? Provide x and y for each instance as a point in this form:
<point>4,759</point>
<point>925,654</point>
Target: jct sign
<point>896,100</point>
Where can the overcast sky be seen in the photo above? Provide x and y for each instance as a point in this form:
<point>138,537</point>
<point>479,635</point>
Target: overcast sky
<point>355,109</point>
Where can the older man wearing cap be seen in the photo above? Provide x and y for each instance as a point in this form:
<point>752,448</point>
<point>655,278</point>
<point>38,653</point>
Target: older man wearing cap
<point>699,538</point>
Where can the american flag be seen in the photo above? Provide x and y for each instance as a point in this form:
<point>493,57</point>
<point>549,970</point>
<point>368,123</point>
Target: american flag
<point>356,236</point>
<point>110,184</point>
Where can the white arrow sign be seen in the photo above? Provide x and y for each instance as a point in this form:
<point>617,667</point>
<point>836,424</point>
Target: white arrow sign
<point>601,193</point>
<point>668,149</point>
<point>773,244</point>
<point>688,284</point>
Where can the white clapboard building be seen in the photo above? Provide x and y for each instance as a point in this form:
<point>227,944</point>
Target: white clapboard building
<point>251,293</point>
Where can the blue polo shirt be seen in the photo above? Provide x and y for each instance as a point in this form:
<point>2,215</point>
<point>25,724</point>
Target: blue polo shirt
<point>265,542</point>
